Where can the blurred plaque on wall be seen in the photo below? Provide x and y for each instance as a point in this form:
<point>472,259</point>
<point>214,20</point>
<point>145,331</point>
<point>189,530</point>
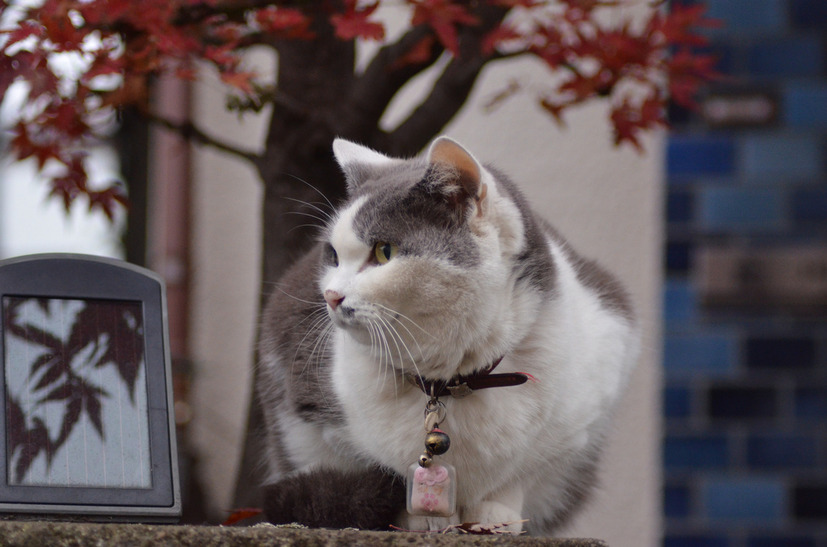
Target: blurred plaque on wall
<point>792,279</point>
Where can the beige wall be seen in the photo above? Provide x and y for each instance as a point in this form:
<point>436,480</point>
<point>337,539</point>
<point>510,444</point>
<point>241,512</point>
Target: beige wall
<point>607,202</point>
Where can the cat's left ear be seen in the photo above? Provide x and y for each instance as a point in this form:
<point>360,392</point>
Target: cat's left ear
<point>457,173</point>
<point>357,161</point>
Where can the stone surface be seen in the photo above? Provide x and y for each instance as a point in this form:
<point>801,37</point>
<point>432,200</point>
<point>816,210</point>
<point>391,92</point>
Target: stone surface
<point>74,534</point>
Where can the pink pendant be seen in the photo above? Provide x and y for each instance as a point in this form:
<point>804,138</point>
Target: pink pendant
<point>432,490</point>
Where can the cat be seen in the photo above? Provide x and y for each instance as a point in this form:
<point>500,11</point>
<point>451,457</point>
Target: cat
<point>434,272</point>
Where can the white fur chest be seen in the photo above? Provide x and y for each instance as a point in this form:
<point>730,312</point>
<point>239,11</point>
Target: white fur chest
<point>493,432</point>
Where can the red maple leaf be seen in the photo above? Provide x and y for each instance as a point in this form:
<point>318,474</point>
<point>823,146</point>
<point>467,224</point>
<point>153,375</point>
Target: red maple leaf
<point>25,29</point>
<point>687,72</point>
<point>105,11</point>
<point>243,81</point>
<point>107,200</point>
<point>516,3</point>
<point>26,147</point>
<point>354,23</point>
<point>103,64</point>
<point>58,26</point>
<point>284,22</point>
<point>71,184</point>
<point>67,117</point>
<point>241,514</point>
<point>419,53</point>
<point>443,16</point>
<point>629,120</point>
<point>679,26</point>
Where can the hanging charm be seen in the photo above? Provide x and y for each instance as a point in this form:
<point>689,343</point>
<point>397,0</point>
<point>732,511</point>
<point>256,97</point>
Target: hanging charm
<point>432,488</point>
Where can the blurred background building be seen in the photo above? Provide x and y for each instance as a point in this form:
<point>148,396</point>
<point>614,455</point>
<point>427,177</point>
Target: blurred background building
<point>745,299</point>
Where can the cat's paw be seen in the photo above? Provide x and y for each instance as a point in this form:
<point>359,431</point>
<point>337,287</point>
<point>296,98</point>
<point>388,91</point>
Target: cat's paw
<point>426,524</point>
<point>494,515</point>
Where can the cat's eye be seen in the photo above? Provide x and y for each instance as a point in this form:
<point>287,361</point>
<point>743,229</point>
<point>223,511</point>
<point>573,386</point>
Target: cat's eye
<point>332,256</point>
<point>384,251</point>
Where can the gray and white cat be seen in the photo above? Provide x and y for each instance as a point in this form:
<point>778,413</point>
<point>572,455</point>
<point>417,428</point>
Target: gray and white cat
<point>436,269</point>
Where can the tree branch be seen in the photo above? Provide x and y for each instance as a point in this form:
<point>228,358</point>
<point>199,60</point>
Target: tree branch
<point>450,91</point>
<point>190,132</point>
<point>387,73</point>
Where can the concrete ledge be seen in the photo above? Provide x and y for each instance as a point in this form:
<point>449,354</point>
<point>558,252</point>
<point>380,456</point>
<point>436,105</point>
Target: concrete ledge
<point>74,534</point>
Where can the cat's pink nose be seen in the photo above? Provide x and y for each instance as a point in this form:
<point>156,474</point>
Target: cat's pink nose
<point>333,299</point>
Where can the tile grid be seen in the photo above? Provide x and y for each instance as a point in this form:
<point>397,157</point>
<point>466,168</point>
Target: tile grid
<point>745,394</point>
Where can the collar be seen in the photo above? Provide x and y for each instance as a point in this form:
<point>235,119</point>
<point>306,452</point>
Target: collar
<point>460,386</point>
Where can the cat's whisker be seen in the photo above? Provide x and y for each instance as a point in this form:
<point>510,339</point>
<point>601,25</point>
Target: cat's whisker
<point>390,366</point>
<point>297,299</point>
<point>399,340</point>
<point>318,317</point>
<point>382,348</point>
<point>405,317</point>
<point>327,336</point>
<point>375,338</point>
<point>313,226</point>
<point>320,346</point>
<point>385,309</point>
<point>313,206</point>
<point>323,220</point>
<point>324,197</point>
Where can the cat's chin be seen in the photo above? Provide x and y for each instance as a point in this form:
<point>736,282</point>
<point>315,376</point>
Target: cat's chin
<point>355,332</point>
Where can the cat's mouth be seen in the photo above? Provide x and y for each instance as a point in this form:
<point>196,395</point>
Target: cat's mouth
<point>379,327</point>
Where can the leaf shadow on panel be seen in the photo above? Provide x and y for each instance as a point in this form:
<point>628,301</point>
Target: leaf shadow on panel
<point>97,336</point>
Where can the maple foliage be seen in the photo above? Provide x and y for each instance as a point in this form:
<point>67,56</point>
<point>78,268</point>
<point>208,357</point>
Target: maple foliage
<point>118,46</point>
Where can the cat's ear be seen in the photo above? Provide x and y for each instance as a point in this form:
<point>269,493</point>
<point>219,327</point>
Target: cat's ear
<point>356,160</point>
<point>456,173</point>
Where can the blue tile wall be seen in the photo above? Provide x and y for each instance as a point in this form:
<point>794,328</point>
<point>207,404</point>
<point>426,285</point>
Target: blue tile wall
<point>680,302</point>
<point>753,499</point>
<point>810,501</point>
<point>677,402</point>
<point>743,403</point>
<point>695,452</point>
<point>811,403</point>
<point>780,352</point>
<point>805,105</point>
<point>741,209</point>
<point>708,353</point>
<point>754,17</point>
<point>782,450</point>
<point>781,541</point>
<point>678,257</point>
<point>695,156</point>
<point>766,158</point>
<point>679,206</point>
<point>809,205</point>
<point>676,501</point>
<point>696,540</point>
<point>793,56</point>
<point>745,390</point>
<point>809,14</point>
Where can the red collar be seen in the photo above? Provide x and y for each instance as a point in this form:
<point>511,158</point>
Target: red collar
<point>460,386</point>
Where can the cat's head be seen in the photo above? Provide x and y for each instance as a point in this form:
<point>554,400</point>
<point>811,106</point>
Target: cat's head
<point>417,263</point>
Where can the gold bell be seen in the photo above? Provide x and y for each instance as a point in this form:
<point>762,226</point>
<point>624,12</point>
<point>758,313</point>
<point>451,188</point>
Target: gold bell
<point>425,460</point>
<point>437,442</point>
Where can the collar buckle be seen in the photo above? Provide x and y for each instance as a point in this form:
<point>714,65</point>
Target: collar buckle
<point>460,391</point>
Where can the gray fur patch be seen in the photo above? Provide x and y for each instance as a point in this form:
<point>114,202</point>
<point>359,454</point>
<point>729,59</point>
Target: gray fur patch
<point>294,329</point>
<point>404,206</point>
<point>593,276</point>
<point>534,265</point>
